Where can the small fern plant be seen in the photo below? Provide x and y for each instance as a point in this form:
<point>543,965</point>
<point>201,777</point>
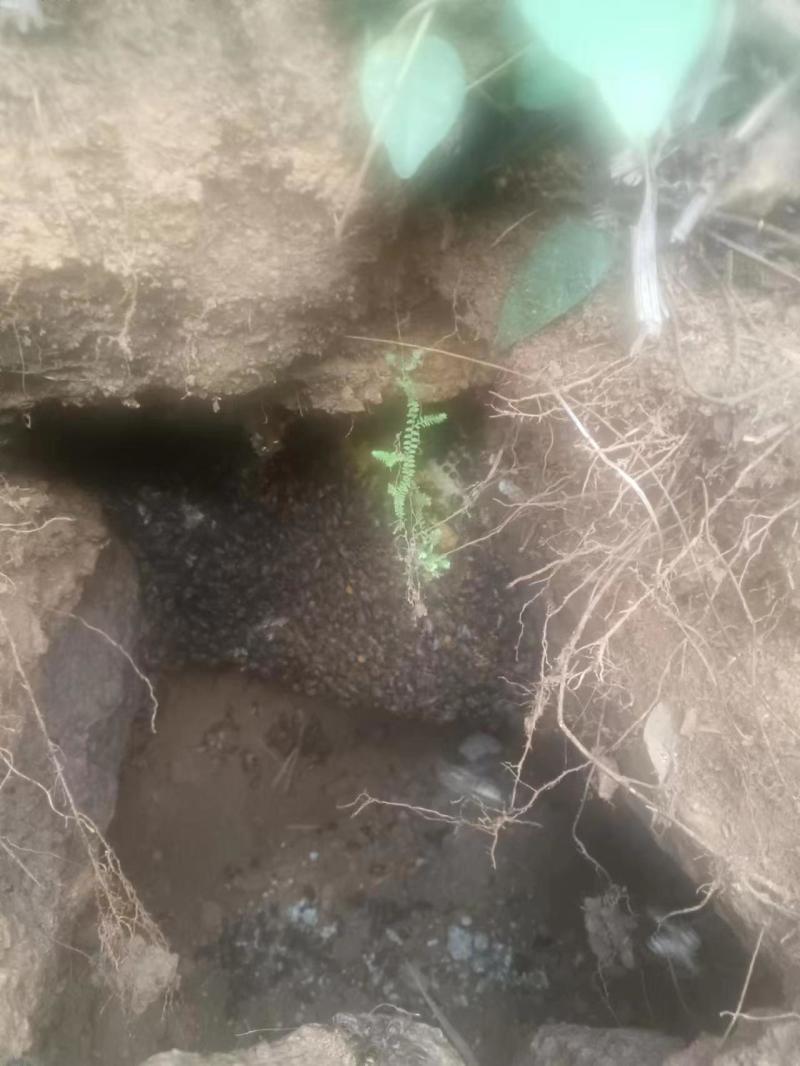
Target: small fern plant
<point>415,528</point>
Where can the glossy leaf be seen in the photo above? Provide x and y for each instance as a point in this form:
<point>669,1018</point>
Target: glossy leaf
<point>566,264</point>
<point>636,51</point>
<point>412,100</point>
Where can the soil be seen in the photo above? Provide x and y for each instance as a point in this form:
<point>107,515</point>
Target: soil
<point>705,613</point>
<point>169,183</point>
<point>57,569</point>
<point>287,903</point>
<point>97,170</point>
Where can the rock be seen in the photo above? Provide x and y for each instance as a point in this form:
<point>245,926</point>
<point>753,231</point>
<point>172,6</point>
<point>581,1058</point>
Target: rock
<point>397,1041</point>
<point>144,974</point>
<point>314,1045</point>
<point>579,1045</point>
<point>776,1046</point>
<point>58,565</point>
<point>610,928</point>
<point>351,1041</point>
<point>480,748</point>
<point>247,164</point>
<point>459,943</point>
<point>189,247</point>
<point>461,782</point>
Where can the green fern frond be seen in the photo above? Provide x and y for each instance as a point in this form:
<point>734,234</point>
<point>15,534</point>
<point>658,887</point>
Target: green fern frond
<point>389,459</point>
<point>434,419</point>
<point>414,526</point>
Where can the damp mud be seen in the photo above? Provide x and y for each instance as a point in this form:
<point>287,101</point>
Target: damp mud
<point>245,823</point>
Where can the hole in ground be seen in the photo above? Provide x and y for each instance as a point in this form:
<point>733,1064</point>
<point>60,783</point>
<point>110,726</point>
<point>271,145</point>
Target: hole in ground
<point>235,823</point>
<point>232,820</point>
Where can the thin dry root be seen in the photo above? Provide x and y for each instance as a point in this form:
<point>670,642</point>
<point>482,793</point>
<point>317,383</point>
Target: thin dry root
<point>121,914</point>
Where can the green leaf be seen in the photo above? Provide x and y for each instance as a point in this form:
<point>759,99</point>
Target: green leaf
<point>434,419</point>
<point>636,51</point>
<point>389,459</point>
<point>412,112</point>
<point>567,263</point>
<point>544,82</point>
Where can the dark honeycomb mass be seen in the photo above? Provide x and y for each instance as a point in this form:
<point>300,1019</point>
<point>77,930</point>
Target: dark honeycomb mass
<point>298,580</point>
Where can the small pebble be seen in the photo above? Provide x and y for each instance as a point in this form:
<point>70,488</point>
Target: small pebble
<point>459,943</point>
<point>480,746</point>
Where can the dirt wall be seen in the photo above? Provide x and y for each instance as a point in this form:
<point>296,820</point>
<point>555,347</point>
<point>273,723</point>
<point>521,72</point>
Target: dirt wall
<point>170,178</point>
<point>68,694</point>
<point>666,514</point>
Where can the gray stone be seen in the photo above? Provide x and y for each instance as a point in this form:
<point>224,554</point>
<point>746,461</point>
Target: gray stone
<point>777,1044</point>
<point>578,1045</point>
<point>60,677</point>
<point>754,1044</point>
<point>351,1041</point>
<point>480,747</point>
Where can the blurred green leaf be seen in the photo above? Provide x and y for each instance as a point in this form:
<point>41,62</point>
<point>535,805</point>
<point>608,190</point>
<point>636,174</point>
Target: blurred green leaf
<point>566,264</point>
<point>422,104</point>
<point>636,51</point>
<point>545,83</point>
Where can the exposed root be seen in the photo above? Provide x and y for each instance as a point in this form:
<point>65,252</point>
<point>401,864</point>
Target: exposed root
<point>734,1016</point>
<point>636,530</point>
<point>148,684</point>
<point>122,918</point>
<point>693,559</point>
